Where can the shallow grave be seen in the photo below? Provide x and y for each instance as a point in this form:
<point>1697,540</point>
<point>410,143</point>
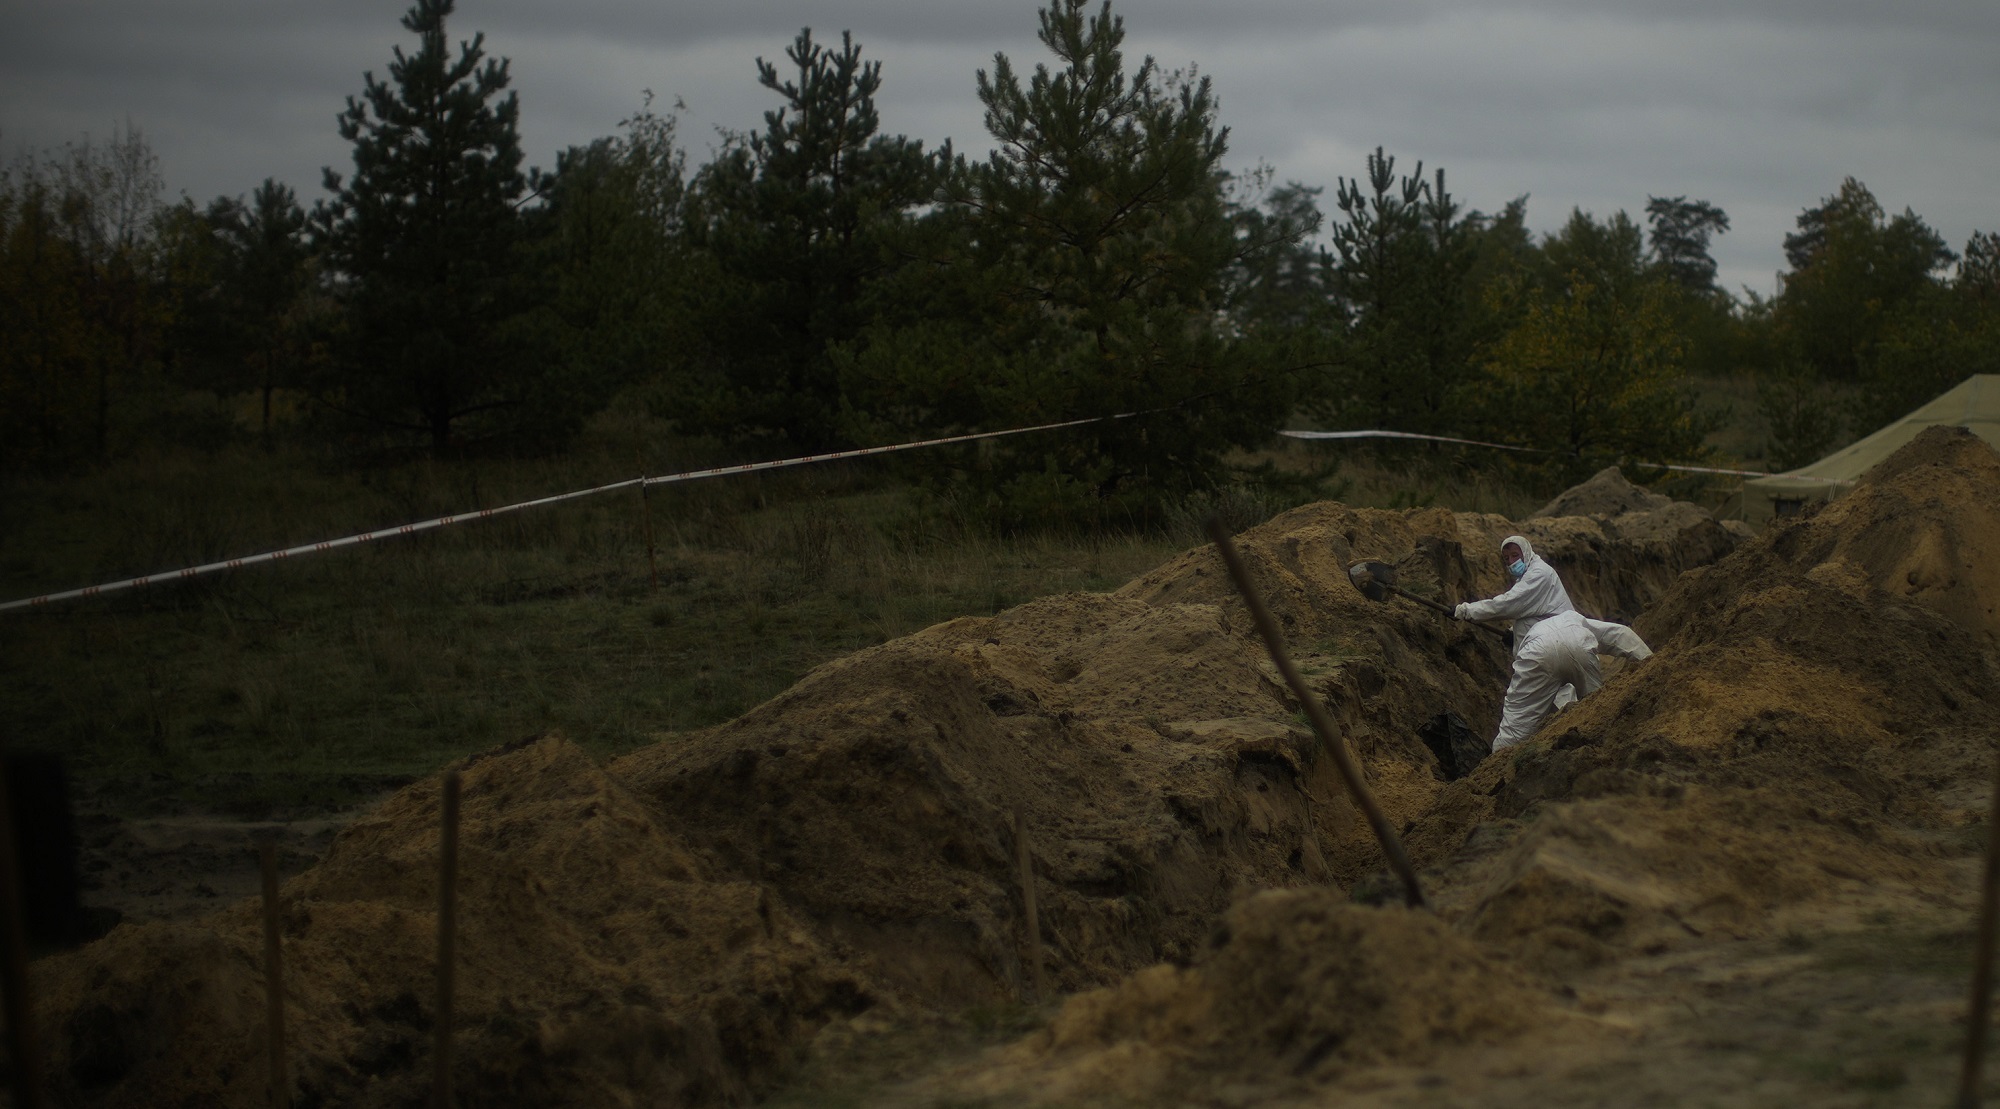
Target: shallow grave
<point>676,927</point>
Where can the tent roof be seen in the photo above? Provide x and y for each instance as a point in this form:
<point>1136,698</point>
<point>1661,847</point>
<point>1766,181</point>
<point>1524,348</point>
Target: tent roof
<point>1973,404</point>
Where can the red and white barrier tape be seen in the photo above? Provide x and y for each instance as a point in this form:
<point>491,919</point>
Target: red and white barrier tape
<point>481,514</point>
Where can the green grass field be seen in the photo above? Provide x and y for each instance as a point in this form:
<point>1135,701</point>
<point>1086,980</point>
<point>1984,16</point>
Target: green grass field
<point>309,684</point>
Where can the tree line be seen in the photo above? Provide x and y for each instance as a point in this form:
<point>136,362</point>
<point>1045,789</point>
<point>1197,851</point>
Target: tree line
<point>821,284</point>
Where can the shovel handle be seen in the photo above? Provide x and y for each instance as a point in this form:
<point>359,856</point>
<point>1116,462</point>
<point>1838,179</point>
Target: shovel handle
<point>1430,604</point>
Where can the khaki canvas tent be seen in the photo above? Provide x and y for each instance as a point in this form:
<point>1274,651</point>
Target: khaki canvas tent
<point>1973,404</point>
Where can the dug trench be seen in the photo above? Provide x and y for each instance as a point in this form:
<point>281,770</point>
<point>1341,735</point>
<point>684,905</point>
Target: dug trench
<point>705,920</point>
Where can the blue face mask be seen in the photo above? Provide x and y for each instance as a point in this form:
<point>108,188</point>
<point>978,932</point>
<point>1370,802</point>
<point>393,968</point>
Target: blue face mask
<point>1517,567</point>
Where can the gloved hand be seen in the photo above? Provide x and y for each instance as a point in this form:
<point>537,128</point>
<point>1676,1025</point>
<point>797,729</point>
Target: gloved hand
<point>1459,612</point>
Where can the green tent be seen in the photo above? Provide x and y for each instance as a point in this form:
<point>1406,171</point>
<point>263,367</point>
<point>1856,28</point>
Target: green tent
<point>1973,404</point>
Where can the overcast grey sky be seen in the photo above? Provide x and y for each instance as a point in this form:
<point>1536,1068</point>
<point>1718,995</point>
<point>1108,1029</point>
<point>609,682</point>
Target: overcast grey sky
<point>1758,106</point>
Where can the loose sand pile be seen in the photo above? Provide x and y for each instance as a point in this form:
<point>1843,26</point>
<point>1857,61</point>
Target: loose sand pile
<point>599,964</point>
<point>1161,766</point>
<point>1928,531</point>
<point>1821,717</point>
<point>1608,493</point>
<point>1297,986</point>
<point>672,928</point>
<point>1813,738</point>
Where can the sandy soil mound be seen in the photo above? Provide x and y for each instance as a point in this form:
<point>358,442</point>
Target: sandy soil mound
<point>1160,765</point>
<point>1813,739</point>
<point>1594,880</point>
<point>1606,493</point>
<point>1812,726</point>
<point>1614,566</point>
<point>1154,761</point>
<point>1619,547</point>
<point>1928,531</point>
<point>598,964</point>
<point>1295,988</point>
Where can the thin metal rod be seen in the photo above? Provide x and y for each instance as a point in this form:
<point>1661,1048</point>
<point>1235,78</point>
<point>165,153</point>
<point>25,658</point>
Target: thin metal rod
<point>27,1073</point>
<point>1322,724</point>
<point>1024,860</point>
<point>274,974</point>
<point>447,938</point>
<point>1977,1017</point>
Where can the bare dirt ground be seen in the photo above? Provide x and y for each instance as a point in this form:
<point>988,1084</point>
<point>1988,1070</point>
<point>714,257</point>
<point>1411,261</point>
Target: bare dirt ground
<point>1742,874</point>
<point>176,867</point>
<point>1852,1014</point>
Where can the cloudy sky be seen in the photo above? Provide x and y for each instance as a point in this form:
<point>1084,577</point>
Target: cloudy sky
<point>1758,106</point>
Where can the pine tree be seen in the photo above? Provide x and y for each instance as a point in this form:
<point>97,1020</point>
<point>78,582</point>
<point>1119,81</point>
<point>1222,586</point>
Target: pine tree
<point>1608,254</point>
<point>1406,253</point>
<point>1681,229</point>
<point>1101,246</point>
<point>424,238</point>
<point>1679,240</point>
<point>248,328</point>
<point>801,223</point>
<point>1279,304</point>
<point>1279,279</point>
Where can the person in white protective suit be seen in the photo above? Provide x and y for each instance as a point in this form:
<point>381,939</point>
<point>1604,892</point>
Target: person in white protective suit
<point>1555,646</point>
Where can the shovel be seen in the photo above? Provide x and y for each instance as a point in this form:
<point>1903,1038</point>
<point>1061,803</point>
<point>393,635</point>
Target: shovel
<point>1376,580</point>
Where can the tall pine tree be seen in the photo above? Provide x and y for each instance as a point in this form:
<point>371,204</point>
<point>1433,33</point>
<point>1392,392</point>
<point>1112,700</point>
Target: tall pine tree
<point>1681,229</point>
<point>248,331</point>
<point>424,236</point>
<point>801,222</point>
<point>1406,254</point>
<point>1103,247</point>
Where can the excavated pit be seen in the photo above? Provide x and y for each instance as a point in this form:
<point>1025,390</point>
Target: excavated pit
<point>1811,745</point>
<point>673,928</point>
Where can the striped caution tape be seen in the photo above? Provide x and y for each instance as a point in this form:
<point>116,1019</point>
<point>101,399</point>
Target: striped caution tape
<point>743,468</point>
<point>481,514</point>
<point>1378,434</point>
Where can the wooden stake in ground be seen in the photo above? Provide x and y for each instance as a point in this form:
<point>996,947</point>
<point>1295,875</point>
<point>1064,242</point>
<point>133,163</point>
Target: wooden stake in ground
<point>447,938</point>
<point>1982,965</point>
<point>1329,732</point>
<point>646,522</point>
<point>1025,860</point>
<point>26,1070</point>
<point>274,974</point>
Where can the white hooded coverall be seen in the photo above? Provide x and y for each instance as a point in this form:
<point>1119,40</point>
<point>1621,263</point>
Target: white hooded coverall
<point>1555,646</point>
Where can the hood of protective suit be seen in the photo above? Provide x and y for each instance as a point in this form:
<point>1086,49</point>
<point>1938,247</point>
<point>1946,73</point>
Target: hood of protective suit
<point>1538,595</point>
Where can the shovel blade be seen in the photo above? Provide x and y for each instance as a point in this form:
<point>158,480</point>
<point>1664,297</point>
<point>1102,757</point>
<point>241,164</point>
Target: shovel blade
<point>1373,579</point>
